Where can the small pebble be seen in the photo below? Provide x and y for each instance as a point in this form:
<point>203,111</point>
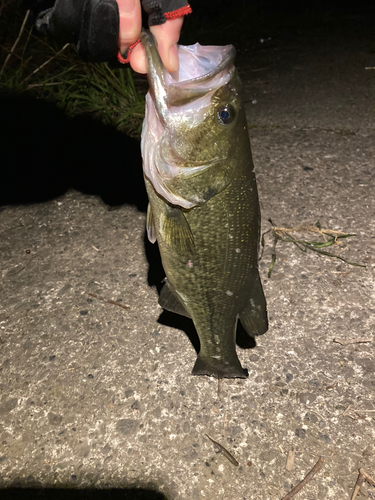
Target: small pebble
<point>314,382</point>
<point>307,398</point>
<point>135,405</point>
<point>301,433</point>
<point>324,438</point>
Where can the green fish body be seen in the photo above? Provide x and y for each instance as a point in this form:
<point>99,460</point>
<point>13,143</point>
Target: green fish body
<point>204,208</point>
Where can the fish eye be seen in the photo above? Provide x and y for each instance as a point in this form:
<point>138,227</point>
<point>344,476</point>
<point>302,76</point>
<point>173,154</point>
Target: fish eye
<point>225,114</point>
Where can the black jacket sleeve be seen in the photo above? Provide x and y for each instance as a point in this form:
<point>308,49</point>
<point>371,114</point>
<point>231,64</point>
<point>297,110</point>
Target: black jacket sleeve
<point>160,11</point>
<point>93,25</point>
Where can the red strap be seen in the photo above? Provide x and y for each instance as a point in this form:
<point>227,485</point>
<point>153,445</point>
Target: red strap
<point>125,60</point>
<point>175,14</point>
<point>183,11</point>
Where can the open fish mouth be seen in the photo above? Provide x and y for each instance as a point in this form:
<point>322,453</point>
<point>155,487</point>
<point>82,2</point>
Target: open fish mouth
<point>181,101</point>
<point>203,69</point>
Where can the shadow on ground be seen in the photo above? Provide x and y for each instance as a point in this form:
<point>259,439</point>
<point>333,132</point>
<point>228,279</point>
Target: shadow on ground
<point>75,494</point>
<point>44,153</point>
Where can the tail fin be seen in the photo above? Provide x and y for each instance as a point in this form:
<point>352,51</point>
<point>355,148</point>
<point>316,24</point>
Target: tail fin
<point>215,368</point>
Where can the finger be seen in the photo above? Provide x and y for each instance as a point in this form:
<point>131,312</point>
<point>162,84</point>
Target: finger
<point>130,22</point>
<point>167,36</point>
<point>138,59</point>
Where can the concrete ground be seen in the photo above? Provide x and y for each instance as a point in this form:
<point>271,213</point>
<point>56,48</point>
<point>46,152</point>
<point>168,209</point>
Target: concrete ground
<point>94,395</point>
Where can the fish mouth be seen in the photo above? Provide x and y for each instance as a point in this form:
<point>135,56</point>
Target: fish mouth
<point>176,101</point>
<point>203,69</point>
<point>155,74</point>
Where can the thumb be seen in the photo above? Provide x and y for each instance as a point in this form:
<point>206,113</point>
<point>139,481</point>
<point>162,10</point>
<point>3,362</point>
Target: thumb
<point>167,36</point>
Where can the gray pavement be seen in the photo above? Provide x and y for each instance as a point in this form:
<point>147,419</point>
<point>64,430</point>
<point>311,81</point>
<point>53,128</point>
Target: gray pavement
<point>94,395</point>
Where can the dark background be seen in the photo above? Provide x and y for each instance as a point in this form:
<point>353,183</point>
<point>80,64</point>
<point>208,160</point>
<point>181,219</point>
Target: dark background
<point>44,153</point>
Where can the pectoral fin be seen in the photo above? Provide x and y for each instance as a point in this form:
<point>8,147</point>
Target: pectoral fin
<point>254,317</point>
<point>169,301</point>
<point>176,232</point>
<point>150,225</point>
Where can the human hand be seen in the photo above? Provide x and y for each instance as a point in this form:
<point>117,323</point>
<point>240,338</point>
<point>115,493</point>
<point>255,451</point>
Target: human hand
<point>167,36</point>
<point>102,29</point>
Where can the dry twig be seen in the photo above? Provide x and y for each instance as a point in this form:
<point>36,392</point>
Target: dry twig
<point>34,85</point>
<point>357,487</point>
<point>304,481</point>
<point>224,424</point>
<point>45,63</point>
<point>316,413</point>
<point>290,460</point>
<point>362,477</point>
<point>16,271</point>
<point>109,301</point>
<point>224,451</point>
<point>16,42</point>
<point>330,237</point>
<point>361,417</point>
<point>344,413</point>
<point>367,477</point>
<point>352,341</point>
<point>309,229</point>
<point>331,386</point>
<point>3,4</point>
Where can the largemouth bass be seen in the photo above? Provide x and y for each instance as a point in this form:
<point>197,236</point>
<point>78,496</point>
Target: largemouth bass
<point>204,208</point>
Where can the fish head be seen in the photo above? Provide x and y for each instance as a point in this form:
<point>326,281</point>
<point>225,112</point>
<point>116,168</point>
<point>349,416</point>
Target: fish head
<point>193,117</point>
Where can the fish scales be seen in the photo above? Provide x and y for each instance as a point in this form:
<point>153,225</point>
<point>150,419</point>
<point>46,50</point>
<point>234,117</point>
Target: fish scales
<point>204,208</point>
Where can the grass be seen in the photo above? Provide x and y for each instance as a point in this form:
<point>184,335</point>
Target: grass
<point>328,238</point>
<point>37,66</point>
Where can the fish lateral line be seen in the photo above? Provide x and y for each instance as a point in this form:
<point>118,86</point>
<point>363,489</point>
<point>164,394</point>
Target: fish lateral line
<point>224,451</point>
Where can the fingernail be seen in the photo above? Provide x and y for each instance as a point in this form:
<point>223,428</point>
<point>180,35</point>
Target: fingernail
<point>173,58</point>
<point>127,6</point>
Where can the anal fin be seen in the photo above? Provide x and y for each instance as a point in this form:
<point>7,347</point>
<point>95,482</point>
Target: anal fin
<point>254,317</point>
<point>169,301</point>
